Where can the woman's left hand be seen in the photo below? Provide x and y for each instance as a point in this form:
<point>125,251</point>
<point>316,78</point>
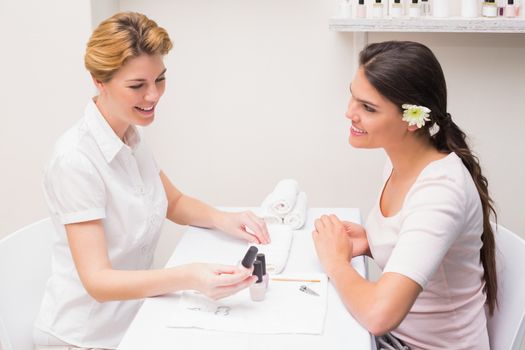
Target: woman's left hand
<point>245,225</point>
<point>331,242</point>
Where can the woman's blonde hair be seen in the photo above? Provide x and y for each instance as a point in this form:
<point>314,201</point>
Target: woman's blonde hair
<point>123,36</point>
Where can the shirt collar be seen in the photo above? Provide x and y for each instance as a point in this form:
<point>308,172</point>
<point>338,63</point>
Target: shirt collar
<point>108,142</point>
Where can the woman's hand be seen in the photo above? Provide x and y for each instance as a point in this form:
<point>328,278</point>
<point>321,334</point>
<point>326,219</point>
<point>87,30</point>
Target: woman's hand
<point>219,281</point>
<point>245,225</point>
<point>331,243</point>
<point>357,234</point>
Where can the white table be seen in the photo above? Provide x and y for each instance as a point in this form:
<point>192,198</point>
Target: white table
<point>149,328</point>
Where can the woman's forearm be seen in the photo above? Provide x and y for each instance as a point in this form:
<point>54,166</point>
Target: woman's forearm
<point>186,210</point>
<point>110,284</point>
<point>378,306</point>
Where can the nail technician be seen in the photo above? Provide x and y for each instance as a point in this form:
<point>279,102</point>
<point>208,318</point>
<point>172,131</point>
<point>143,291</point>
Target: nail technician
<point>108,200</point>
<point>430,228</point>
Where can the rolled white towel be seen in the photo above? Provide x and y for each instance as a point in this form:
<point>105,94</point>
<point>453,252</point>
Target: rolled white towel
<point>283,197</point>
<point>267,214</point>
<point>278,250</point>
<point>296,218</point>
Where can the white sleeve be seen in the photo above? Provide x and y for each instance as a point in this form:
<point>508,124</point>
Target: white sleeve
<point>433,216</point>
<point>74,189</point>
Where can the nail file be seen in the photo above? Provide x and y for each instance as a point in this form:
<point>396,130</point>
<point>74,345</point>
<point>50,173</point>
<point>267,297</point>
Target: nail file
<point>307,290</point>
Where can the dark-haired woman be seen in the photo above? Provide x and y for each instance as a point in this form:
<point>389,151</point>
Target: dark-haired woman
<point>430,228</point>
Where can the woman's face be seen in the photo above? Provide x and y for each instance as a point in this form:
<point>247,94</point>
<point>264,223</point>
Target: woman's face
<point>376,122</point>
<point>131,96</point>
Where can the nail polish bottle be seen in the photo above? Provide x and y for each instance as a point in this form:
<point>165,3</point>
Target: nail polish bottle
<point>249,257</point>
<point>414,10</point>
<point>377,9</point>
<point>361,9</point>
<point>489,9</point>
<point>397,9</point>
<point>425,8</point>
<point>510,9</point>
<point>441,8</point>
<point>469,8</point>
<point>262,259</point>
<point>345,9</point>
<point>501,7</point>
<point>257,290</point>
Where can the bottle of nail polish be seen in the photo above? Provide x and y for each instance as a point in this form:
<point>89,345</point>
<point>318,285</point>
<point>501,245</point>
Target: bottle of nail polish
<point>469,8</point>
<point>361,9</point>
<point>262,259</point>
<point>249,257</point>
<point>501,4</point>
<point>425,8</point>
<point>414,10</point>
<point>397,9</point>
<point>441,8</point>
<point>257,290</point>
<point>489,9</point>
<point>345,9</point>
<point>377,9</point>
<point>510,9</point>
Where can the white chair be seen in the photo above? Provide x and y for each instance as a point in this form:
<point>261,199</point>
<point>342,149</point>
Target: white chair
<point>25,265</point>
<point>506,327</point>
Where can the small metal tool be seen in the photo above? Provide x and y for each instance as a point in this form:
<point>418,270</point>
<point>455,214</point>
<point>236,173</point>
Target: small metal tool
<point>307,290</point>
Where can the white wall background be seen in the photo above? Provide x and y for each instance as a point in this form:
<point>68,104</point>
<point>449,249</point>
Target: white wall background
<point>43,90</point>
<point>256,92</point>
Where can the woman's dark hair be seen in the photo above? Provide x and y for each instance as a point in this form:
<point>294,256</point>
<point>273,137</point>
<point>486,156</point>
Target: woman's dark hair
<point>407,72</point>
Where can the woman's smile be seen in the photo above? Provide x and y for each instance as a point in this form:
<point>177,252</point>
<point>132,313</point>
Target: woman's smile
<point>356,131</point>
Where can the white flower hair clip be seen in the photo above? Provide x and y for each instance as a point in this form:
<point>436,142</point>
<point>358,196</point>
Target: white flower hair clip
<point>415,115</point>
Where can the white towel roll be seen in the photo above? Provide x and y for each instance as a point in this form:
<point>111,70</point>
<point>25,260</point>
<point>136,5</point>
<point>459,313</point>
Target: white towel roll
<point>282,199</point>
<point>267,214</point>
<point>296,218</point>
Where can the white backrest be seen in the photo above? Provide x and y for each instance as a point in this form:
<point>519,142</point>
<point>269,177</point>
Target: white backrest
<point>25,265</point>
<point>506,327</point>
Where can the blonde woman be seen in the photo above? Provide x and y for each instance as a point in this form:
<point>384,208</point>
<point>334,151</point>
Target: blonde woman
<point>108,200</point>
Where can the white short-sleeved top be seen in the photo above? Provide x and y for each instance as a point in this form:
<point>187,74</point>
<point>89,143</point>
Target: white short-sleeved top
<point>435,240</point>
<point>93,175</point>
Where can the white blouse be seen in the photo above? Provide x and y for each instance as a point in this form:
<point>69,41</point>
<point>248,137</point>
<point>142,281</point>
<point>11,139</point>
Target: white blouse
<point>94,175</point>
<point>435,240</point>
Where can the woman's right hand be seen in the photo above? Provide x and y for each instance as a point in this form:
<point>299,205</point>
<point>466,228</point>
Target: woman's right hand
<point>357,234</point>
<point>219,281</point>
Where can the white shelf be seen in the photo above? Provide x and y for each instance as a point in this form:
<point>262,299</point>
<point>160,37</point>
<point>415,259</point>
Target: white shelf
<point>429,24</point>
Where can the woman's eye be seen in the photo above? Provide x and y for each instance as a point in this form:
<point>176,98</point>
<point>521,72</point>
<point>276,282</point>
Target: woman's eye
<point>136,86</point>
<point>160,79</point>
<point>368,108</point>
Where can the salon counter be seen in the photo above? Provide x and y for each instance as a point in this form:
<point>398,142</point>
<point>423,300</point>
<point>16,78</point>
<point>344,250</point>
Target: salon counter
<point>149,328</point>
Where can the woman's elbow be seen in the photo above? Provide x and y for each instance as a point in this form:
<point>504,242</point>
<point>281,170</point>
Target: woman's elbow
<point>95,289</point>
<point>97,293</point>
<point>381,321</point>
<point>378,328</point>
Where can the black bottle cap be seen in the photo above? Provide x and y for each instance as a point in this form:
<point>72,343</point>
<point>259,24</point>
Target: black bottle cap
<point>511,2</point>
<point>257,271</point>
<point>414,1</point>
<point>378,1</point>
<point>361,2</point>
<point>249,257</point>
<point>397,1</point>
<point>262,259</point>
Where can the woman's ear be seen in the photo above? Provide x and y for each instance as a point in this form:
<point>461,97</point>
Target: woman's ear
<point>412,128</point>
<point>98,84</point>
